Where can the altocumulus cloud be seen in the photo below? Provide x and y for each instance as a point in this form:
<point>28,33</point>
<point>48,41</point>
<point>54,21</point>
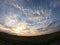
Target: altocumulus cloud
<point>19,19</point>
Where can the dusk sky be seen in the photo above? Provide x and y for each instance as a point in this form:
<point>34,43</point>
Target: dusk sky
<point>27,16</point>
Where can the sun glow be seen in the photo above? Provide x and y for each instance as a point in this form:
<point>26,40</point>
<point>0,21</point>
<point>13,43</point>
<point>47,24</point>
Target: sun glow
<point>19,30</point>
<point>23,29</point>
<point>20,27</point>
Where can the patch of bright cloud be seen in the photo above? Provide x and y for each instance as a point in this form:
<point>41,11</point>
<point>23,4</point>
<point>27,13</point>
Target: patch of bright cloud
<point>11,20</point>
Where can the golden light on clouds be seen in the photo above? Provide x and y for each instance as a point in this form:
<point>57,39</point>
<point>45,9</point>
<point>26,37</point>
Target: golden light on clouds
<point>17,17</point>
<point>21,30</point>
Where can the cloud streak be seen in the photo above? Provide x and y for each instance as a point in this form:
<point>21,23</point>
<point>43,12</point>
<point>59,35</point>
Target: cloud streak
<point>25,32</point>
<point>26,21</point>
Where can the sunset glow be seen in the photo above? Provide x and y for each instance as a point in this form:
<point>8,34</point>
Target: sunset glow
<point>29,17</point>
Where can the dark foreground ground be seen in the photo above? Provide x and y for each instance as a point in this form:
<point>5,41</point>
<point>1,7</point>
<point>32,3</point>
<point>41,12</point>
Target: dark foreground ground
<point>50,39</point>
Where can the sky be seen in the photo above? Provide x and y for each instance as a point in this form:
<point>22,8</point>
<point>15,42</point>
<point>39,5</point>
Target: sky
<point>28,16</point>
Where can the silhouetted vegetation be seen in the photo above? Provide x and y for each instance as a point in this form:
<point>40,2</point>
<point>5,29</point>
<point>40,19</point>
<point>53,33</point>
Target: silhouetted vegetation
<point>49,39</point>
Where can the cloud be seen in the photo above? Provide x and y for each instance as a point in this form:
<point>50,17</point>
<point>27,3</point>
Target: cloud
<point>11,20</point>
<point>19,30</point>
<point>5,29</point>
<point>31,32</point>
<point>35,19</point>
<point>38,17</point>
